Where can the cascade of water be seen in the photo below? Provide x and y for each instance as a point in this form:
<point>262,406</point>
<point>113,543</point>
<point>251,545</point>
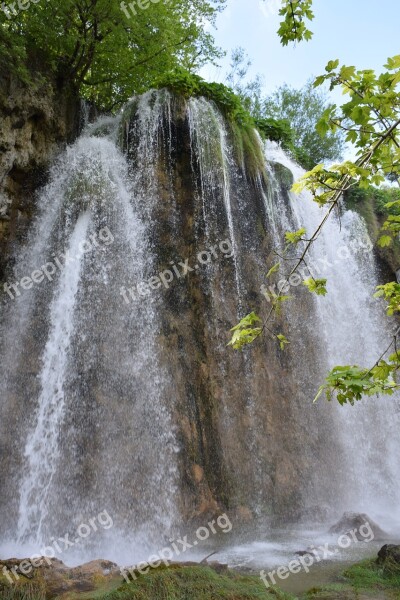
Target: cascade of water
<point>91,235</point>
<point>42,448</point>
<point>88,384</point>
<point>209,139</point>
<point>352,328</point>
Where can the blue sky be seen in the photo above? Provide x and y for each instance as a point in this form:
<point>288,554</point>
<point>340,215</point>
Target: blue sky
<point>358,32</point>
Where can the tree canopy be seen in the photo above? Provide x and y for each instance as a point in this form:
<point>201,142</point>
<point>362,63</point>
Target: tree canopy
<point>304,108</point>
<point>108,53</point>
<point>298,112</point>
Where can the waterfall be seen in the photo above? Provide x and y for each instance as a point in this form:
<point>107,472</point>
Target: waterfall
<point>209,141</point>
<point>354,330</point>
<point>118,391</point>
<point>42,448</point>
<point>91,240</point>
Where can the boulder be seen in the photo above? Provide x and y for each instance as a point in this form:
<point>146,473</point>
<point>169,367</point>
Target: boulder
<point>359,523</point>
<point>389,554</point>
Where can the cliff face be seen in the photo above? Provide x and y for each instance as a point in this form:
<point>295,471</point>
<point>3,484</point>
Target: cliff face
<point>119,388</point>
<point>155,417</point>
<point>242,417</point>
<point>34,121</point>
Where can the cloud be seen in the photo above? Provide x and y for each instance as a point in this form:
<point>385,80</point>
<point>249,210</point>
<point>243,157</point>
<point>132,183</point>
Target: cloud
<point>269,8</point>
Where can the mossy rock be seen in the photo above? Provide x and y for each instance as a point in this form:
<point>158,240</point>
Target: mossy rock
<point>283,175</point>
<point>179,582</point>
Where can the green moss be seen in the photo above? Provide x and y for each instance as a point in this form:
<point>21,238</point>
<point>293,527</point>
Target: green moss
<point>370,575</point>
<point>24,589</point>
<point>194,583</point>
<point>247,148</point>
<point>246,144</point>
<point>284,176</point>
<point>366,579</point>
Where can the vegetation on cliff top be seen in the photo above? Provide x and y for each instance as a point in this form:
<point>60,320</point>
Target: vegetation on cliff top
<point>297,111</point>
<point>242,124</point>
<point>108,54</point>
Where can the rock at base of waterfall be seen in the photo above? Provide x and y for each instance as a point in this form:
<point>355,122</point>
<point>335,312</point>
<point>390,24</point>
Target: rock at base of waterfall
<point>361,525</point>
<point>54,578</point>
<point>389,557</point>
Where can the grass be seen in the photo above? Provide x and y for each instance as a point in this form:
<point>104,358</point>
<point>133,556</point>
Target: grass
<point>363,580</point>
<point>247,149</point>
<point>195,583</point>
<point>25,592</point>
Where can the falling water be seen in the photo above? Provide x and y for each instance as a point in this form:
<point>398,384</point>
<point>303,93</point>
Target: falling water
<point>92,238</point>
<point>42,449</point>
<point>210,145</point>
<point>353,330</point>
<point>103,386</point>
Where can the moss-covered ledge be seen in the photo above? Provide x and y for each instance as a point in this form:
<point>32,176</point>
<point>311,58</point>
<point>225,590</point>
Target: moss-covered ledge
<point>245,131</point>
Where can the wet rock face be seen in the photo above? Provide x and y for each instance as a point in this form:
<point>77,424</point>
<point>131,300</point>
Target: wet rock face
<point>241,427</point>
<point>34,120</point>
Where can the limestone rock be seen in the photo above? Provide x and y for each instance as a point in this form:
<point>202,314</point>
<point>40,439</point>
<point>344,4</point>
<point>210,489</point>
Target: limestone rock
<point>352,521</point>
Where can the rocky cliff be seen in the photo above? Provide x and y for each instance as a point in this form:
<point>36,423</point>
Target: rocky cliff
<point>35,121</point>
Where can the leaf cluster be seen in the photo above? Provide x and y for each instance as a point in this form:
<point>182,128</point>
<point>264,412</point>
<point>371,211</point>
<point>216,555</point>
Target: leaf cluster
<point>350,383</point>
<point>293,27</point>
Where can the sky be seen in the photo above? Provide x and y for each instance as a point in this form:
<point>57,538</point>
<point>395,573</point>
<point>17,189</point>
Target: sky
<point>363,33</point>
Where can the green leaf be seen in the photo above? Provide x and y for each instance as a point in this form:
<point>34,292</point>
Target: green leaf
<point>332,65</point>
<point>244,333</point>
<point>283,341</point>
<point>273,269</point>
<point>316,286</point>
<point>296,236</point>
<point>384,241</point>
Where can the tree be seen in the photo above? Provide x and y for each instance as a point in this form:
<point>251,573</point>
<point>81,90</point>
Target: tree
<point>303,108</point>
<point>371,120</point>
<point>106,49</point>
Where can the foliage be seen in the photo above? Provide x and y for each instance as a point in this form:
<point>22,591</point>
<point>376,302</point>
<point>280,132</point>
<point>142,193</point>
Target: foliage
<point>276,130</point>
<point>190,85</point>
<point>288,116</point>
<point>382,198</point>
<point>303,108</point>
<point>245,331</point>
<point>294,237</point>
<point>350,383</point>
<point>316,286</point>
<point>293,27</point>
<point>106,52</point>
<point>371,120</point>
